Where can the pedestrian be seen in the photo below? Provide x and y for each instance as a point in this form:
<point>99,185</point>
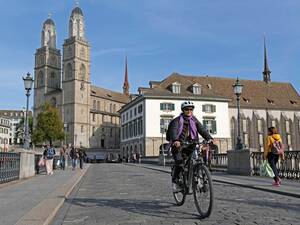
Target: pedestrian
<point>82,156</point>
<point>206,153</point>
<point>273,150</point>
<point>48,154</point>
<point>74,156</point>
<point>63,157</point>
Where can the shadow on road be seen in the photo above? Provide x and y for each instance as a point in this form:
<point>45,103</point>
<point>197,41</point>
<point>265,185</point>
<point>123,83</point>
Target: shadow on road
<point>266,203</point>
<point>142,207</point>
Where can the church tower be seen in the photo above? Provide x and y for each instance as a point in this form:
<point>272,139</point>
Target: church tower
<point>76,81</point>
<point>267,71</point>
<point>47,70</point>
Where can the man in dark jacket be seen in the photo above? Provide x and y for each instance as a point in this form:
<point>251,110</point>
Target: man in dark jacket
<point>184,128</point>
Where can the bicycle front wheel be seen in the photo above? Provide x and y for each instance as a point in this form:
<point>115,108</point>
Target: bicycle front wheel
<point>203,191</point>
<point>181,194</point>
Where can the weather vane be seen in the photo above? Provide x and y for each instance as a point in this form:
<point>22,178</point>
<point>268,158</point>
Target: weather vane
<point>77,3</point>
<point>49,15</point>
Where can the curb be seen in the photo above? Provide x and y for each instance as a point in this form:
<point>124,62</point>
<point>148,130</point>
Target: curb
<point>44,212</point>
<point>295,195</point>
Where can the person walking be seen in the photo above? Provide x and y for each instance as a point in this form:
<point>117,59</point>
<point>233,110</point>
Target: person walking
<point>74,156</point>
<point>63,157</point>
<point>273,150</point>
<point>49,155</point>
<point>82,156</point>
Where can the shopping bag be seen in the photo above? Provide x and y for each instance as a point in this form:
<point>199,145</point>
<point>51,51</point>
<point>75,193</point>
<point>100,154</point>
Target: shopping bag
<point>266,170</point>
<point>41,162</point>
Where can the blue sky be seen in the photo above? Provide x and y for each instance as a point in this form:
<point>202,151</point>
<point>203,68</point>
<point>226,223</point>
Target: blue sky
<point>197,37</point>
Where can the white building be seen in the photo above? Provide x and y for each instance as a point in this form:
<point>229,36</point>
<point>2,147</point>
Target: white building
<point>145,119</point>
<point>4,134</point>
<point>263,104</point>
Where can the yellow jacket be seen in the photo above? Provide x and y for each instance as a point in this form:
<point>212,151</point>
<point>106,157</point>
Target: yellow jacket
<point>269,142</point>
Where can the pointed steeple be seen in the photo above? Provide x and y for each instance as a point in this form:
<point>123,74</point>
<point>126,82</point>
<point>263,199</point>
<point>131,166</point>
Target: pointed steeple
<point>126,83</point>
<point>267,71</point>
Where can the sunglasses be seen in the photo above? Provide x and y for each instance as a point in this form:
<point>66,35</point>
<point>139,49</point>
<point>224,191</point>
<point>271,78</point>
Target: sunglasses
<point>188,109</point>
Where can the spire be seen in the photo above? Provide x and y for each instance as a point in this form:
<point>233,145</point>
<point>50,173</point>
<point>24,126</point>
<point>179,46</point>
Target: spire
<point>126,83</point>
<point>266,72</point>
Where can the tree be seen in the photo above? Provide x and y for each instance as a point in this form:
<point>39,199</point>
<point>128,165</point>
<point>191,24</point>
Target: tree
<point>20,128</point>
<point>49,126</point>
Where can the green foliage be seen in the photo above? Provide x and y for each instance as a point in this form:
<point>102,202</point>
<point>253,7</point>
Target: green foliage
<point>49,126</point>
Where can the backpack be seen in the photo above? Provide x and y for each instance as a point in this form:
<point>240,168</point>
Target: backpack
<point>277,147</point>
<point>50,153</point>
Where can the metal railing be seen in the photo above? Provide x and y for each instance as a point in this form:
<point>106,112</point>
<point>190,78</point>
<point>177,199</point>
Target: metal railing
<point>219,161</point>
<point>289,168</point>
<point>9,167</point>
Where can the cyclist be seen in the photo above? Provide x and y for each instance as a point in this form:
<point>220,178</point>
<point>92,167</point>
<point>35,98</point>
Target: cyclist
<point>185,127</point>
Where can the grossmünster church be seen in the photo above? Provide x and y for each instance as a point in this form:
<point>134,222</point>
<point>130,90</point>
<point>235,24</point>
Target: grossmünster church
<point>89,113</point>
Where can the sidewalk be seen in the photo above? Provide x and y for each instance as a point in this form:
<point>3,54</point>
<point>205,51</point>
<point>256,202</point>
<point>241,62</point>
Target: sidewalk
<point>288,187</point>
<point>36,200</point>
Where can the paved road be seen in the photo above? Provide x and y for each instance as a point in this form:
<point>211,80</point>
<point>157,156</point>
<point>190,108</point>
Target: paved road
<point>126,195</point>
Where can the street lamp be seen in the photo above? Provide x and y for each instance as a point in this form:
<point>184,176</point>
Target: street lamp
<point>28,82</point>
<point>237,89</point>
<point>65,130</point>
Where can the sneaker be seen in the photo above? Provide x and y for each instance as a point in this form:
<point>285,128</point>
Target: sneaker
<point>279,180</point>
<point>276,184</point>
<point>175,187</point>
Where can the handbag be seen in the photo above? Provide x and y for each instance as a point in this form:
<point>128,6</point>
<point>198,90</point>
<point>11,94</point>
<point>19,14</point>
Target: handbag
<point>41,162</point>
<point>266,170</point>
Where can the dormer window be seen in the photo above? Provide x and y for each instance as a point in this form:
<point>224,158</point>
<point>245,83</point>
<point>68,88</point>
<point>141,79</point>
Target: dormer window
<point>196,89</point>
<point>176,88</point>
<point>270,101</point>
<point>293,102</point>
<point>246,99</point>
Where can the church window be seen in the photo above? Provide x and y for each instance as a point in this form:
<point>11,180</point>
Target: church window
<point>110,108</point>
<point>53,61</point>
<point>94,104</point>
<point>94,117</point>
<point>40,79</point>
<point>68,72</point>
<point>98,105</point>
<point>52,80</point>
<point>82,53</point>
<point>82,128</point>
<point>114,108</point>
<point>287,126</point>
<point>82,72</point>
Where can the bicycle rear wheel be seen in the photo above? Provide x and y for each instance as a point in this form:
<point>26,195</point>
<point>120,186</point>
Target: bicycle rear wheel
<point>203,191</point>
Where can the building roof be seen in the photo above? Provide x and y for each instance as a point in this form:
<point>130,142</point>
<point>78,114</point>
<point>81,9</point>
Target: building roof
<point>77,10</point>
<point>256,94</point>
<point>49,21</point>
<point>110,95</point>
<point>13,113</point>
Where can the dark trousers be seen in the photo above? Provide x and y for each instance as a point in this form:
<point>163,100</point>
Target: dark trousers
<point>81,163</point>
<point>179,155</point>
<point>273,159</point>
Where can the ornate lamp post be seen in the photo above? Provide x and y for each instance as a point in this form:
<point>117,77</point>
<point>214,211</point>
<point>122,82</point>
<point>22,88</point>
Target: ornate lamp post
<point>28,82</point>
<point>237,89</point>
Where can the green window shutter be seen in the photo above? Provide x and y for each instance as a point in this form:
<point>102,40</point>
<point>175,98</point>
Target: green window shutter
<point>161,106</point>
<point>203,109</point>
<point>173,107</point>
<point>214,126</point>
<point>213,108</point>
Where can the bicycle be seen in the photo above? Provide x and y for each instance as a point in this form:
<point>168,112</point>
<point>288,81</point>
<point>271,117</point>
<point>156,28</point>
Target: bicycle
<point>195,178</point>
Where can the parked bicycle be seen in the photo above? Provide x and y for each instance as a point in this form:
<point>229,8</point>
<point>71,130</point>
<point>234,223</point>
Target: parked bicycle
<point>195,178</point>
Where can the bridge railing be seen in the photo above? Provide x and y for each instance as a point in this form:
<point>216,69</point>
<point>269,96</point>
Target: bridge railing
<point>9,167</point>
<point>289,168</point>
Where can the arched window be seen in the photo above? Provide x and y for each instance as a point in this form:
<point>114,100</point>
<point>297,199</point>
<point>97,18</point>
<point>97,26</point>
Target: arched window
<point>51,82</point>
<point>82,72</point>
<point>40,79</point>
<point>68,71</point>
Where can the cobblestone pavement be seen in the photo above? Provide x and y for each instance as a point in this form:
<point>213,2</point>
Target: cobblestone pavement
<point>116,194</point>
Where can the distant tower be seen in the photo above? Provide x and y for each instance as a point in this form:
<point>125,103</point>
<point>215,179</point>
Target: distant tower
<point>47,70</point>
<point>126,83</point>
<point>76,81</point>
<point>266,72</point>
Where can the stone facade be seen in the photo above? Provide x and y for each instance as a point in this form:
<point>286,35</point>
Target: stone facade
<point>65,82</point>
